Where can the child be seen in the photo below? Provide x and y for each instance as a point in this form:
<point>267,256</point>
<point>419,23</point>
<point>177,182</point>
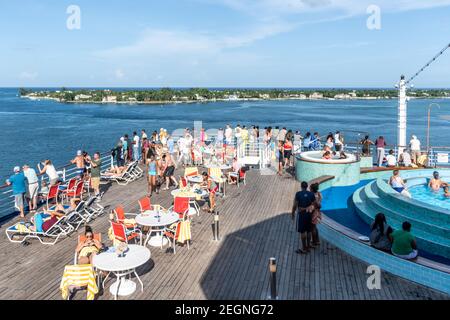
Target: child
<point>43,192</point>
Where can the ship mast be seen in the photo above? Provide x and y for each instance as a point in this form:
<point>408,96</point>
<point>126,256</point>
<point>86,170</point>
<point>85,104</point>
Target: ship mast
<point>402,104</point>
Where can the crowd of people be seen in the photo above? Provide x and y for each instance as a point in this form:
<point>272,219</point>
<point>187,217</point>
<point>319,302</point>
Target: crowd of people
<point>411,155</point>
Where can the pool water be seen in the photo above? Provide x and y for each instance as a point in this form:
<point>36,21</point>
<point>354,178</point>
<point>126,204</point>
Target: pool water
<point>435,198</point>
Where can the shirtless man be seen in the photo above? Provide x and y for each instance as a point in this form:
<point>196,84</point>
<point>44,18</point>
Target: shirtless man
<point>79,162</point>
<point>436,183</point>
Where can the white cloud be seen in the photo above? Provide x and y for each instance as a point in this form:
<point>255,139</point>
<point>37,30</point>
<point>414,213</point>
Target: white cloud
<point>27,75</point>
<point>164,43</point>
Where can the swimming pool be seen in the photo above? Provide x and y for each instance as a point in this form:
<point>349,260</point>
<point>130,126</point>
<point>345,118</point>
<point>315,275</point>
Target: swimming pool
<point>435,198</point>
<point>338,205</point>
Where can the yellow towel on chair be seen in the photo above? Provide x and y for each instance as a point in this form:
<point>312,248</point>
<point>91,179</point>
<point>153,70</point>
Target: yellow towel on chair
<point>22,228</point>
<point>185,232</point>
<point>79,276</point>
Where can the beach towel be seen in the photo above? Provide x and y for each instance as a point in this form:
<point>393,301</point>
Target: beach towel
<point>79,276</point>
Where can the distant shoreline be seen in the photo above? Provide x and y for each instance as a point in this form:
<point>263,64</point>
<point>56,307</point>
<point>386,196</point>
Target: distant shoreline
<point>222,100</point>
<point>202,95</point>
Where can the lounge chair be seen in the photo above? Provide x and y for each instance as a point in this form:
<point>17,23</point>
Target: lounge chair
<point>60,228</point>
<point>123,179</point>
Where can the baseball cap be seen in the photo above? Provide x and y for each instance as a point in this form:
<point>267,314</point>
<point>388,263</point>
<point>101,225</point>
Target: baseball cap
<point>16,169</point>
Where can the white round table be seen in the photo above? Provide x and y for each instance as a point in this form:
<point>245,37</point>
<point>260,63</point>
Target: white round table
<point>190,194</point>
<point>150,219</point>
<point>194,179</point>
<point>121,267</point>
<point>220,166</point>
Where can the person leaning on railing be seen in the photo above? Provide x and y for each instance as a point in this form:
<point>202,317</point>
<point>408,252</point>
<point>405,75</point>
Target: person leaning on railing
<point>414,144</point>
<point>366,143</point>
<point>50,170</point>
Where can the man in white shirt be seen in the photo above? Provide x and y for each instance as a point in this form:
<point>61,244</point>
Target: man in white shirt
<point>282,135</point>
<point>337,141</point>
<point>237,134</point>
<point>33,186</point>
<point>181,148</point>
<point>186,151</point>
<point>414,145</point>
<point>391,161</point>
<point>136,154</point>
<point>219,137</point>
<point>228,134</point>
<point>405,158</point>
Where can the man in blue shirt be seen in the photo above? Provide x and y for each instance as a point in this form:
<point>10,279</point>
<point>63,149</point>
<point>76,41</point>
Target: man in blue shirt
<point>303,202</point>
<point>17,181</point>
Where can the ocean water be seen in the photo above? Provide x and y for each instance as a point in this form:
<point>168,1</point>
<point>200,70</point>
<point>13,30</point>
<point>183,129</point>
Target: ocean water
<point>35,130</point>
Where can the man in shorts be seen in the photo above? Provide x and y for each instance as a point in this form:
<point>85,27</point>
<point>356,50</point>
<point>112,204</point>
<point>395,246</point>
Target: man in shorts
<point>303,205</point>
<point>17,181</point>
<point>79,162</point>
<point>33,186</point>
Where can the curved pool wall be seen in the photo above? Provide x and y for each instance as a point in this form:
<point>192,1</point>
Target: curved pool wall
<point>310,168</point>
<point>430,224</point>
<point>342,225</point>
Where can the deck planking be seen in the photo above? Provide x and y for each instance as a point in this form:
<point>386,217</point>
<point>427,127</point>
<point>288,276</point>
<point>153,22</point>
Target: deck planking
<point>254,226</point>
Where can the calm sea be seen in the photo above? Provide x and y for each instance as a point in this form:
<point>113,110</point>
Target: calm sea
<point>35,130</point>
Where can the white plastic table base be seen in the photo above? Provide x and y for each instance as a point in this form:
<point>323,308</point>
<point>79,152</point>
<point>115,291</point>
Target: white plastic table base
<point>157,241</point>
<point>122,287</point>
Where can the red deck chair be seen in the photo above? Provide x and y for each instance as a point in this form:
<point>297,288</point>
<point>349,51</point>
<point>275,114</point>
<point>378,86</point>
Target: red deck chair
<point>172,233</point>
<point>183,182</point>
<point>121,216</point>
<point>182,206</point>
<point>77,192</point>
<point>70,186</point>
<point>53,193</point>
<point>145,204</point>
<point>122,234</point>
<point>242,174</point>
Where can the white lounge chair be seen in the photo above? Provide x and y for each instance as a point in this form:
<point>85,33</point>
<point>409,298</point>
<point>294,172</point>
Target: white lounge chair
<point>60,228</point>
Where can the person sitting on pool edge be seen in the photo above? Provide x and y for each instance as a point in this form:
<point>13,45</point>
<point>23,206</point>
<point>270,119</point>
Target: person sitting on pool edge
<point>436,183</point>
<point>88,247</point>
<point>391,161</point>
<point>397,183</point>
<point>379,234</point>
<point>403,243</point>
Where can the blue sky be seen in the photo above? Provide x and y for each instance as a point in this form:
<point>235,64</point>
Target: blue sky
<point>258,43</point>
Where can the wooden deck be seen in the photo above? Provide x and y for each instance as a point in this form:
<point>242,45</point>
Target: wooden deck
<point>254,226</point>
